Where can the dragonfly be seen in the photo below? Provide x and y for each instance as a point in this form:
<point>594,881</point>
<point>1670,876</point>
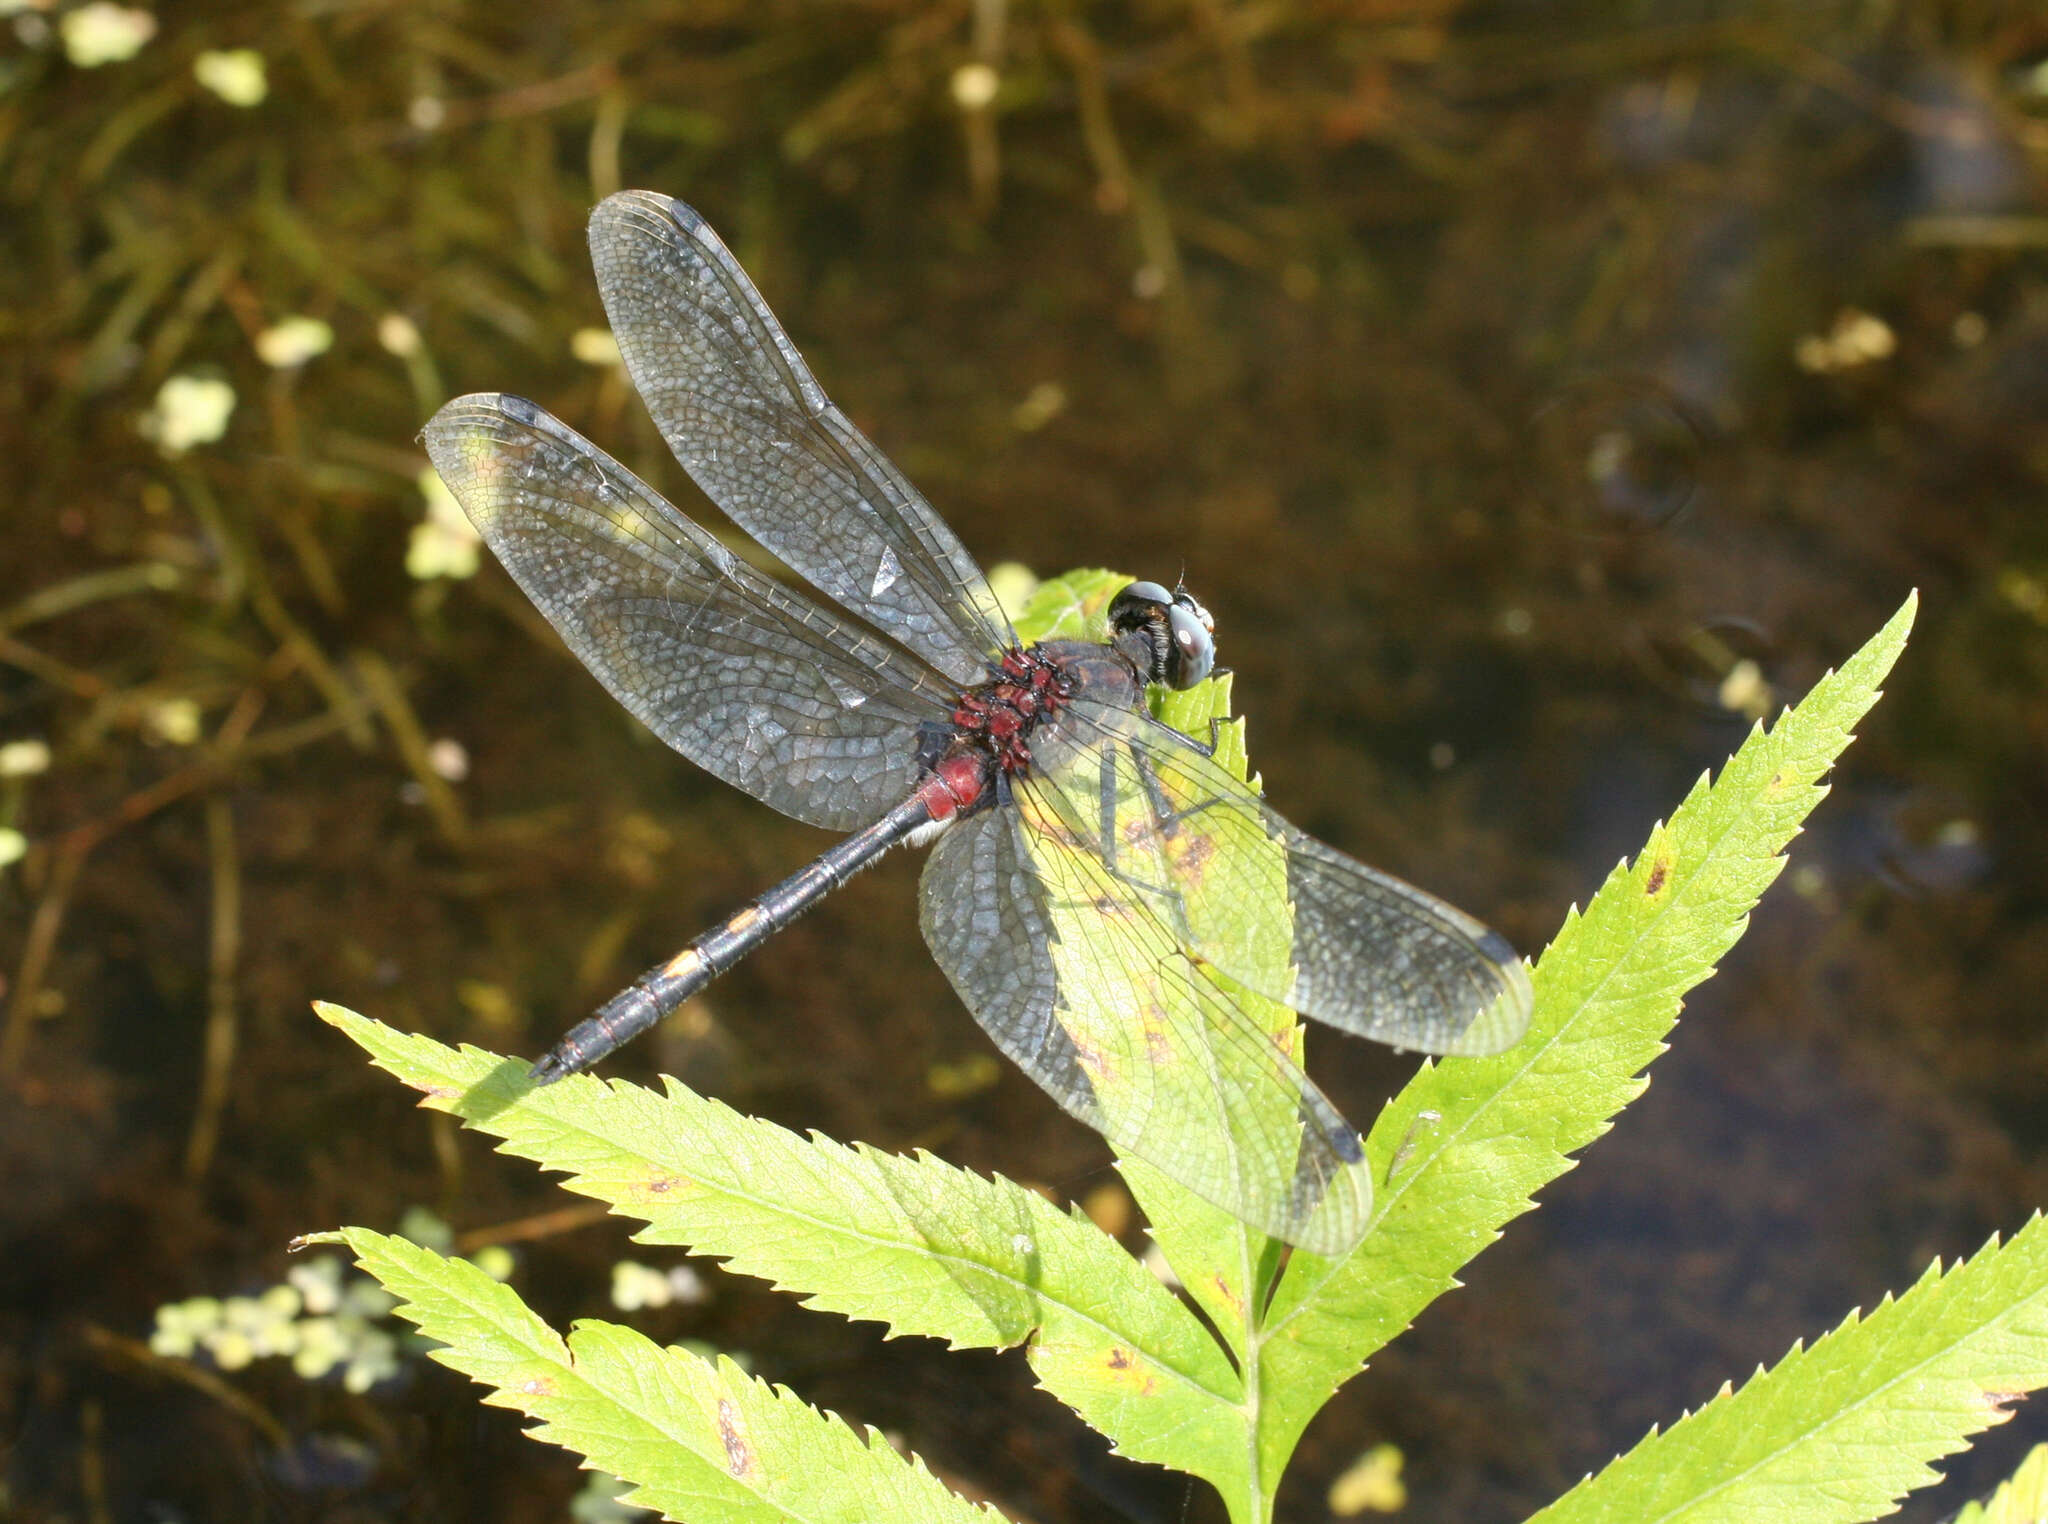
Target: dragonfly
<point>1121,912</point>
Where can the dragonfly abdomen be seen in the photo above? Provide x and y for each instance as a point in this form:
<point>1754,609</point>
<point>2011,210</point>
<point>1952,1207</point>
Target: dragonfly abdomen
<point>668,984</point>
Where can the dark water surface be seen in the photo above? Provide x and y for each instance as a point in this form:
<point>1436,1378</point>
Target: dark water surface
<point>1529,391</point>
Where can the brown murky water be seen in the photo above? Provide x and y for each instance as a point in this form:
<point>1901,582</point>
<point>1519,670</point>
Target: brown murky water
<point>1533,393</point>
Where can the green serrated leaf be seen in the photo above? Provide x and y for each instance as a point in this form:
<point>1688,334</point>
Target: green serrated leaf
<point>700,1440</point>
<point>1839,1433</point>
<point>912,1242</point>
<point>1465,1145</point>
<point>2020,1499</point>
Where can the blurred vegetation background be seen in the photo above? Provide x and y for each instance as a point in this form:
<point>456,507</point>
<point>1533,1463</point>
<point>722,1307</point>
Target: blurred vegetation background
<point>1537,394</point>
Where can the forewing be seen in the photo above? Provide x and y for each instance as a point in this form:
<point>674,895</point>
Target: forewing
<point>743,414</point>
<point>1087,992</point>
<point>750,681</point>
<point>1367,953</point>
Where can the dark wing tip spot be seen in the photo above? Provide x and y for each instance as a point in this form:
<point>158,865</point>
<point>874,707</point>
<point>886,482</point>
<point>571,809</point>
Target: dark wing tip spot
<point>649,207</point>
<point>1346,1144</point>
<point>1499,948</point>
<point>518,409</point>
<point>686,216</point>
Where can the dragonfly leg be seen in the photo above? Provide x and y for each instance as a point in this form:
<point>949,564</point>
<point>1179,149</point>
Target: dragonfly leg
<point>1163,811</point>
<point>1164,898</point>
<point>932,736</point>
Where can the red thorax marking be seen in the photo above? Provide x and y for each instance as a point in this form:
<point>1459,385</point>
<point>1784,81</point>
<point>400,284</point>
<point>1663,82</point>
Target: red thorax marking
<point>1001,714</point>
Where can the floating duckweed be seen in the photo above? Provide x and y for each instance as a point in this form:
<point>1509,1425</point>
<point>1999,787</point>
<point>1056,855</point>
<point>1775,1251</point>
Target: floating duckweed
<point>975,86</point>
<point>449,759</point>
<point>104,33</point>
<point>1857,338</point>
<point>636,1286</point>
<point>399,335</point>
<point>445,543</point>
<point>321,1319</point>
<point>322,1346</point>
<point>236,75</point>
<point>427,1228</point>
<point>183,1327</point>
<point>189,410</point>
<point>1745,690</point>
<point>1043,403</point>
<point>595,346</point>
<point>24,759</point>
<point>292,341</point>
<point>375,1359</point>
<point>318,1282</point>
<point>174,721</point>
<point>1372,1483</point>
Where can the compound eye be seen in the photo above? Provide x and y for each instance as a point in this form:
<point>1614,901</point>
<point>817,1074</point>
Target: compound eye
<point>1194,647</point>
<point>1137,605</point>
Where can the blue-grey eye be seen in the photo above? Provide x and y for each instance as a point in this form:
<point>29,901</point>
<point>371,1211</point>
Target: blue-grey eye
<point>1194,647</point>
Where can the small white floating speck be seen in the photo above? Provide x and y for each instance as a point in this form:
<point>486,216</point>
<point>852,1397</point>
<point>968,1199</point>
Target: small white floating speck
<point>236,75</point>
<point>189,410</point>
<point>104,33</point>
<point>292,341</point>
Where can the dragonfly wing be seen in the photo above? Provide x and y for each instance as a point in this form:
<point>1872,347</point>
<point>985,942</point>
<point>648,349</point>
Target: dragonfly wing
<point>751,681</point>
<point>1088,993</point>
<point>1369,954</point>
<point>744,415</point>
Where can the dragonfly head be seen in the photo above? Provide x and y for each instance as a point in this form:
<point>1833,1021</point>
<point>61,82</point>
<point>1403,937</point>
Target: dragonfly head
<point>1168,637</point>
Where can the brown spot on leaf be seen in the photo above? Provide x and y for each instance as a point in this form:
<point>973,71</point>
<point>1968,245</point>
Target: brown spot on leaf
<point>1127,1370</point>
<point>664,1188</point>
<point>1158,1040</point>
<point>1228,1293</point>
<point>1194,857</point>
<point>1659,872</point>
<point>1094,1062</point>
<point>739,1455</point>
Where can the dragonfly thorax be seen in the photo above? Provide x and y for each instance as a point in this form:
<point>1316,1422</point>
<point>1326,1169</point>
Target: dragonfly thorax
<point>969,761</point>
<point>965,763</point>
<point>996,718</point>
